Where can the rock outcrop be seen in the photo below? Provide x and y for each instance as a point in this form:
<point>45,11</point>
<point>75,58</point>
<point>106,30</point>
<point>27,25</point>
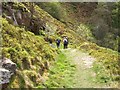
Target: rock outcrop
<point>7,69</point>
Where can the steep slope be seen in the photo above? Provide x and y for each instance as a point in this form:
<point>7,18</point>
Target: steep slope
<point>101,19</point>
<point>24,42</point>
<point>37,21</point>
<point>31,54</point>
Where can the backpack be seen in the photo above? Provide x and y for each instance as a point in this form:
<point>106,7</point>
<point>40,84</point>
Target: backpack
<point>58,41</point>
<point>65,41</point>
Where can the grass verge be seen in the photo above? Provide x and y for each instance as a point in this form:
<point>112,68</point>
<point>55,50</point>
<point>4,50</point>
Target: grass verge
<point>60,74</point>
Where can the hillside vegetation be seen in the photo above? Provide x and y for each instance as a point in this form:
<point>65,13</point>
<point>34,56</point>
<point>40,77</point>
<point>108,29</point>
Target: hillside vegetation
<point>107,64</point>
<point>31,54</point>
<point>28,28</point>
<point>102,19</point>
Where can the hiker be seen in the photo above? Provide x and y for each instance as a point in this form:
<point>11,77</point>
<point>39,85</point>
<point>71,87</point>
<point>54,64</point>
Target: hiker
<point>50,41</point>
<point>65,42</point>
<point>58,42</point>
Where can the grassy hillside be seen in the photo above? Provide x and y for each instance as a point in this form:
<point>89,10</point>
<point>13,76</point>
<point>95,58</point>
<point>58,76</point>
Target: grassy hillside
<point>27,28</point>
<point>28,49</point>
<point>31,54</point>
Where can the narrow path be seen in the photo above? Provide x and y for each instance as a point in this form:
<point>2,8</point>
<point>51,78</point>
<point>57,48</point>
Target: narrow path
<point>84,76</point>
<point>73,69</point>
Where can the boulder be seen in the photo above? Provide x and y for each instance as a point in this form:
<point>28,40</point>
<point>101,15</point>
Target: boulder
<point>7,69</point>
<point>9,65</point>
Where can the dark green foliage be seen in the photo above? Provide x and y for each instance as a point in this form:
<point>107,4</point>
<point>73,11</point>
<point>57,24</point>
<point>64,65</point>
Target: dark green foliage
<point>116,15</point>
<point>54,9</point>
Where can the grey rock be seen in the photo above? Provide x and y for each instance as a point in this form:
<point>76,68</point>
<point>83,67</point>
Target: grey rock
<point>9,65</point>
<point>7,69</point>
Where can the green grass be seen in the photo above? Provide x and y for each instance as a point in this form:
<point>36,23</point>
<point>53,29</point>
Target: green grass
<point>60,74</point>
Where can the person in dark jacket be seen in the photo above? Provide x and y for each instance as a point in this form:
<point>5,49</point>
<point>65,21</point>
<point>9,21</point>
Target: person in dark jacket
<point>65,42</point>
<point>58,42</point>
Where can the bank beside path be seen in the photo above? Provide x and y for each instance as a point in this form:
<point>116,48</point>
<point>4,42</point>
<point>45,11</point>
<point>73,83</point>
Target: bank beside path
<point>84,77</point>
